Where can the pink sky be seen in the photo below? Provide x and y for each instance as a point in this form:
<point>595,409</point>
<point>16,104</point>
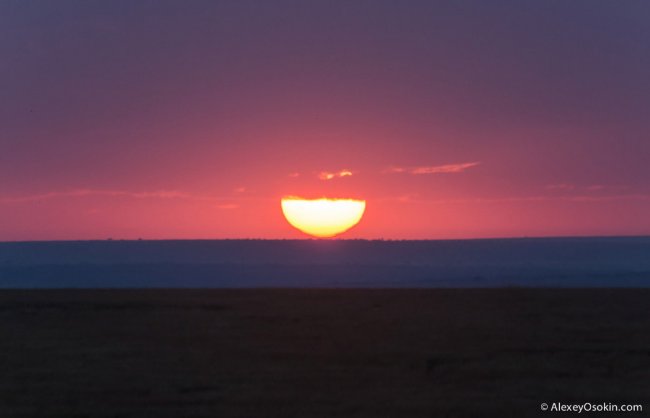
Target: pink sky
<point>452,120</point>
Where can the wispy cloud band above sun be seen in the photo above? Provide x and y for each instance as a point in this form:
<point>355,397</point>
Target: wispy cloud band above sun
<point>416,170</point>
<point>590,188</point>
<point>434,169</point>
<point>533,198</point>
<point>161,194</point>
<point>328,175</point>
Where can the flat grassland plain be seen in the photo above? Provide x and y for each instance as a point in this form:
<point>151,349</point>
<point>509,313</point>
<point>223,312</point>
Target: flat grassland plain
<point>321,352</point>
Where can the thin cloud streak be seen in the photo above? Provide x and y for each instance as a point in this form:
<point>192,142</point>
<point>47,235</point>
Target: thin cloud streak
<point>591,188</point>
<point>326,175</point>
<point>435,169</point>
<point>576,198</point>
<point>161,194</point>
<point>560,186</point>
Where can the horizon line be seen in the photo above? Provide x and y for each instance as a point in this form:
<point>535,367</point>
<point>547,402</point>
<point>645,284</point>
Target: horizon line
<point>537,237</point>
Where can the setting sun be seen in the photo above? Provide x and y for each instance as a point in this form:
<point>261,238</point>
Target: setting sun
<point>323,217</point>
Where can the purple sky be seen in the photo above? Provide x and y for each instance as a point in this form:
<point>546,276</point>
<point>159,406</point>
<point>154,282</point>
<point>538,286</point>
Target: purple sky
<point>190,119</point>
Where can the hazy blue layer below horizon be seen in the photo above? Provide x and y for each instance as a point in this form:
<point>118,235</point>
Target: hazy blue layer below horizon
<point>540,262</point>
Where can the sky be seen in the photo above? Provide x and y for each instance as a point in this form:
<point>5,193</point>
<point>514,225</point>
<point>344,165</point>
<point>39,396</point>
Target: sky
<point>452,119</point>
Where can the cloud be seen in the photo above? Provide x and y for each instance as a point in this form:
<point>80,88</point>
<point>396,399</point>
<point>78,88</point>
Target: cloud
<point>601,187</point>
<point>560,186</point>
<point>574,198</point>
<point>160,194</point>
<point>405,198</point>
<point>294,175</point>
<point>326,175</point>
<point>592,188</point>
<point>434,169</point>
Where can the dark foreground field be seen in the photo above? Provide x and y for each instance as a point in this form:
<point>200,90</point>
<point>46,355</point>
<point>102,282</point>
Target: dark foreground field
<point>320,353</point>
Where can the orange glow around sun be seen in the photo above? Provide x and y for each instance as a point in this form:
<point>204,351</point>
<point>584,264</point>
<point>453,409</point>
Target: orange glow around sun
<point>323,218</point>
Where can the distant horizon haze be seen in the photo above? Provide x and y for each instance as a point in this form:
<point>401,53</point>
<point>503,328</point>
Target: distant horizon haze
<point>337,238</point>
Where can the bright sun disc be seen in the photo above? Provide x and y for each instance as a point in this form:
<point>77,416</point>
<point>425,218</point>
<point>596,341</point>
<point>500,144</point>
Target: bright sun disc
<point>323,217</point>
